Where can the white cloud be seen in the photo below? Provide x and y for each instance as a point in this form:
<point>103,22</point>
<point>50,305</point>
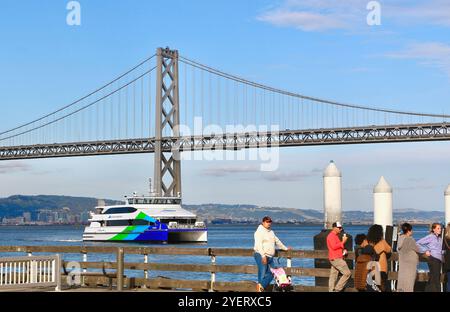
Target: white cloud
<point>306,21</point>
<point>14,167</point>
<point>247,173</point>
<point>433,54</point>
<point>291,176</point>
<point>434,12</point>
<point>315,15</point>
<point>221,171</point>
<point>322,15</point>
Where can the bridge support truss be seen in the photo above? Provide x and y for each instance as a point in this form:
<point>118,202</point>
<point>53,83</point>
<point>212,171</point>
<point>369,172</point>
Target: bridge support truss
<point>167,175</point>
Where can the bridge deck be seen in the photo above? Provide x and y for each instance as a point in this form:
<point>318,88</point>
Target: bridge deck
<point>231,141</point>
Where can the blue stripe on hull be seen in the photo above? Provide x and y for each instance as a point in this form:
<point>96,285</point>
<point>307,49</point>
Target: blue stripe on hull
<point>153,236</point>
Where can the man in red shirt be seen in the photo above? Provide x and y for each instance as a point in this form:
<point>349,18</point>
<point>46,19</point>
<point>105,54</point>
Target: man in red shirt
<point>336,252</point>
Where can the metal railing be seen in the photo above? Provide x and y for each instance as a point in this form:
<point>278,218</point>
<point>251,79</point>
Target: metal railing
<point>31,271</point>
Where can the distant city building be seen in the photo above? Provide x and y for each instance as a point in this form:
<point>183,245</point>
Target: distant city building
<point>84,217</point>
<point>27,216</point>
<point>13,221</point>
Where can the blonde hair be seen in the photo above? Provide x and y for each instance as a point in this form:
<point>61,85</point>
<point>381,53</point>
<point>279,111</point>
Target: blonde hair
<point>447,231</point>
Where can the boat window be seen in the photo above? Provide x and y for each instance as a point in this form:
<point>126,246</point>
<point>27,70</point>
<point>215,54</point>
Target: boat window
<point>179,221</point>
<point>141,222</point>
<point>166,201</point>
<point>120,210</point>
<point>118,223</point>
<point>153,201</point>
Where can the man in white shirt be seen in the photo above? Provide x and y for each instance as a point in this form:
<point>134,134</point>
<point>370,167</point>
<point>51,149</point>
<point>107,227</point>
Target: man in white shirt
<point>265,243</point>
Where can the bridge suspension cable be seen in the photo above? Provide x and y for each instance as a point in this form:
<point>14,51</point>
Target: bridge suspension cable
<point>300,96</point>
<point>84,97</point>
<point>79,109</point>
<point>105,113</point>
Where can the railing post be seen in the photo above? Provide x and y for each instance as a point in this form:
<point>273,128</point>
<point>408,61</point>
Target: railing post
<point>57,272</point>
<point>33,269</point>
<point>84,270</point>
<point>213,271</point>
<point>145,271</point>
<point>120,268</point>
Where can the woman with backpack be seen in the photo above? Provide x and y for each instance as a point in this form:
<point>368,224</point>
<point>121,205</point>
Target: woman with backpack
<point>431,245</point>
<point>361,261</point>
<point>381,248</point>
<point>408,259</point>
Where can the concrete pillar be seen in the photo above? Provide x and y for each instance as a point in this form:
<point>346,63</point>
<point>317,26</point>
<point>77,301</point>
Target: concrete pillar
<point>382,203</point>
<point>332,199</point>
<point>447,205</point>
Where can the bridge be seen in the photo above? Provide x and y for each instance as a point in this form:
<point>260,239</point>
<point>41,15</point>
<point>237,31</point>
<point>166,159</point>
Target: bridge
<point>160,107</point>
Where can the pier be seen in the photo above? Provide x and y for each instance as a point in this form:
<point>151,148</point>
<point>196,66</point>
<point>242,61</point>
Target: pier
<point>112,275</point>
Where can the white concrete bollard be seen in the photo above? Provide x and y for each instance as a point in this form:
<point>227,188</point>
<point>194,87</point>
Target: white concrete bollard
<point>332,195</point>
<point>382,204</point>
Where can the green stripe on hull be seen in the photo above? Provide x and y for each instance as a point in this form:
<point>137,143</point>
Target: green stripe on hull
<point>124,234</point>
<point>141,216</point>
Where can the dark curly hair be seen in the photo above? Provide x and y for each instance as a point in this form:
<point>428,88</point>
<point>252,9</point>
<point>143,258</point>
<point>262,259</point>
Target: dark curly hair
<point>360,238</point>
<point>375,234</point>
<point>406,227</point>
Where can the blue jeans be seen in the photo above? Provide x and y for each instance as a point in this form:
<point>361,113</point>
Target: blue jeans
<point>264,274</point>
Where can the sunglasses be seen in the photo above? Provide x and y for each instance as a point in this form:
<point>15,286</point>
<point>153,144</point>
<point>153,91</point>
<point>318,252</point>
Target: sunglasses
<point>268,221</point>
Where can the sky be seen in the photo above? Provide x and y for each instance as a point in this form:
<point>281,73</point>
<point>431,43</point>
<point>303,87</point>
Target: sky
<point>319,48</point>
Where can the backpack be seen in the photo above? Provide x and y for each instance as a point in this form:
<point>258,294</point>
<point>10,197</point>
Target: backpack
<point>361,271</point>
<point>364,273</point>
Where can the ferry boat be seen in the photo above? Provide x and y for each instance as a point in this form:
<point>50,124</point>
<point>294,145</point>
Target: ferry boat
<point>145,219</point>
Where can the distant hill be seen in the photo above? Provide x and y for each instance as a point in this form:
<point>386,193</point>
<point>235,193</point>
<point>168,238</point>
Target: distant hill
<point>16,205</point>
<point>251,213</point>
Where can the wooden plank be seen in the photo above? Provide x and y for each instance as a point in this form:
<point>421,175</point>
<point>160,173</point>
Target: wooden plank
<point>297,271</point>
<point>91,265</point>
<point>304,288</point>
<point>58,249</point>
<point>420,277</point>
<point>243,286</point>
<point>232,252</point>
<point>173,267</point>
<point>225,252</point>
<point>160,282</point>
<point>167,251</point>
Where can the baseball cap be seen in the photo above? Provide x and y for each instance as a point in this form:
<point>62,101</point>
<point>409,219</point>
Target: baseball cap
<point>337,224</point>
<point>267,218</point>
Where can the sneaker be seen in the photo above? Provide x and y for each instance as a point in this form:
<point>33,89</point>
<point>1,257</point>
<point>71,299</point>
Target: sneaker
<point>259,288</point>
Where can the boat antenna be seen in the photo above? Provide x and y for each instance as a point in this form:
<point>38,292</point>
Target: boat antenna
<point>150,186</point>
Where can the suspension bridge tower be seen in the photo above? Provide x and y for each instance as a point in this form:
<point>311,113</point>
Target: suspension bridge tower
<point>167,174</point>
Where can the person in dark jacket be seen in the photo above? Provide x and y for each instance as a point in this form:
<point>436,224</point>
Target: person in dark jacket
<point>359,239</point>
<point>447,256</point>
